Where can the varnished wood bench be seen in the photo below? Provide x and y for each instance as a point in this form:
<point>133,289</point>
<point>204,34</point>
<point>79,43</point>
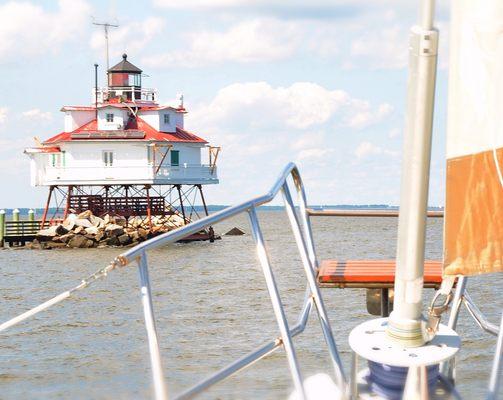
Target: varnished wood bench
<point>372,274</point>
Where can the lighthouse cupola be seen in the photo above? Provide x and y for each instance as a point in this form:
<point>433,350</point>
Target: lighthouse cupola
<point>124,81</point>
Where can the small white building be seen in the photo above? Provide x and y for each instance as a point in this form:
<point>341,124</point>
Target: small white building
<point>125,138</point>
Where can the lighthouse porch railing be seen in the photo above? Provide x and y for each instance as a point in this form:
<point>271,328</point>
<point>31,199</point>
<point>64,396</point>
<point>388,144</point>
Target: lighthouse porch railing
<point>138,94</point>
<point>190,173</point>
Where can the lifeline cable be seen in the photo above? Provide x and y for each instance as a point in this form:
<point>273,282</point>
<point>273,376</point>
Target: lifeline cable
<point>101,273</point>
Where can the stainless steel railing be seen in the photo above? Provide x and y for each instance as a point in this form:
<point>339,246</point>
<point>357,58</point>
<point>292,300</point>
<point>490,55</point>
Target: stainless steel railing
<point>448,368</point>
<point>301,227</point>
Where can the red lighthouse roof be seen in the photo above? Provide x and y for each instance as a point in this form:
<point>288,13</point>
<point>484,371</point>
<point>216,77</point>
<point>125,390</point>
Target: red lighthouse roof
<point>136,129</point>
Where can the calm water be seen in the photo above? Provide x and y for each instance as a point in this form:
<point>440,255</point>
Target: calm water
<point>212,306</point>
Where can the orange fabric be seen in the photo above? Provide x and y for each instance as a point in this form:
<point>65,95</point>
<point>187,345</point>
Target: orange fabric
<point>473,215</point>
<point>361,273</point>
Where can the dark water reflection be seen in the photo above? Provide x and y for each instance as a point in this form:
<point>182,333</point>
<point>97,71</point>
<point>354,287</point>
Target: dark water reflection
<point>212,307</point>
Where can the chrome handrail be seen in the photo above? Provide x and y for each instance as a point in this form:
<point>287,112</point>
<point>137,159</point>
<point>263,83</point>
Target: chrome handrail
<point>305,244</point>
<point>448,368</point>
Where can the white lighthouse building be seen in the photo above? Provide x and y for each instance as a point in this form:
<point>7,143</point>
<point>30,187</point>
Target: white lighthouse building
<point>125,154</point>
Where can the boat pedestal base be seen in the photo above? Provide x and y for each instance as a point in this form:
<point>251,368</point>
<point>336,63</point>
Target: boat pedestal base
<point>370,341</point>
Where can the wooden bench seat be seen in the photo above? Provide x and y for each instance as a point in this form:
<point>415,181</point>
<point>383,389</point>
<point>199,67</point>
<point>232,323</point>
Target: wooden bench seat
<point>375,274</point>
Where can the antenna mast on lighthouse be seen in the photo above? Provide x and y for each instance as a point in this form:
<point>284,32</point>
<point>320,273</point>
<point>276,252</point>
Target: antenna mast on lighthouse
<point>105,26</point>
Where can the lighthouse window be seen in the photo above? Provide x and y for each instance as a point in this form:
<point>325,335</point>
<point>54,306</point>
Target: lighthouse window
<point>134,80</point>
<point>110,117</point>
<point>175,158</point>
<point>166,119</point>
<point>56,160</point>
<point>108,158</point>
<point>150,155</point>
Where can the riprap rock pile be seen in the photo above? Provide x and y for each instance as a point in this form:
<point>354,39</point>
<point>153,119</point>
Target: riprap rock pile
<point>86,230</point>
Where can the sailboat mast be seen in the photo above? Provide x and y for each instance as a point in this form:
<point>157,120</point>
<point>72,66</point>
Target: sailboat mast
<point>406,322</point>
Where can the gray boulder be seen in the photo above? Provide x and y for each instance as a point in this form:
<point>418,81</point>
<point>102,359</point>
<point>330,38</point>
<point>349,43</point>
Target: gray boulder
<point>47,234</point>
<point>78,241</point>
<point>114,230</point>
<point>85,223</point>
<point>124,239</point>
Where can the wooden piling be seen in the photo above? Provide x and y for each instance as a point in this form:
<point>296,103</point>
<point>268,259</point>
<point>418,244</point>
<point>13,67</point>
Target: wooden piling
<point>15,218</point>
<point>2,227</point>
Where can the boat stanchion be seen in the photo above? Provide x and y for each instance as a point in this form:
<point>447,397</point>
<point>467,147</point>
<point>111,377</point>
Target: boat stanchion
<point>310,271</point>
<point>494,381</point>
<point>153,341</point>
<point>277,305</point>
<point>448,368</point>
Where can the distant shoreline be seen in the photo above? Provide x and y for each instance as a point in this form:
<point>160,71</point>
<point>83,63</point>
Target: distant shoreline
<point>218,207</point>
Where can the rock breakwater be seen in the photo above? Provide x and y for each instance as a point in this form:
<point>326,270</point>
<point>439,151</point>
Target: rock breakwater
<point>86,230</point>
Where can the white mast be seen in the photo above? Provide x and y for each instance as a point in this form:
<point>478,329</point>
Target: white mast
<point>406,322</point>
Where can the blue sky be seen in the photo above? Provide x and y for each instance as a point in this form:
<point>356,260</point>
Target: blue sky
<point>321,83</point>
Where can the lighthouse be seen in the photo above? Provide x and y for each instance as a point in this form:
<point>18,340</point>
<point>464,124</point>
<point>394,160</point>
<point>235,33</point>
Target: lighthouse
<point>124,155</point>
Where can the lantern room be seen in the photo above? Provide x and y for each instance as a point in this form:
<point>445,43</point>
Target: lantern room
<point>124,81</point>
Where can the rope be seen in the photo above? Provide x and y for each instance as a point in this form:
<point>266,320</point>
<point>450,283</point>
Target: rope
<point>101,273</point>
<point>389,382</point>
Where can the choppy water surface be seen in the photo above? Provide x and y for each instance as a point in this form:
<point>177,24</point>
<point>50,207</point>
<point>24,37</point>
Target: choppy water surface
<point>212,306</point>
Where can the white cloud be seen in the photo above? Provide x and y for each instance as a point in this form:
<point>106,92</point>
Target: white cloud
<point>26,29</point>
<point>375,40</point>
<point>365,116</point>
<point>393,133</point>
<point>261,127</point>
<point>381,48</point>
<point>3,115</point>
<point>314,153</point>
<point>36,114</point>
<point>255,40</point>
<point>303,105</point>
<point>272,5</point>
<point>129,37</point>
<point>307,140</point>
<point>10,146</point>
<point>367,148</point>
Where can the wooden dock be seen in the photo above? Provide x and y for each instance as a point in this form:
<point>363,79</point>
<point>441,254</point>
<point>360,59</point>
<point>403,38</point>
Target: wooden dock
<point>18,233</point>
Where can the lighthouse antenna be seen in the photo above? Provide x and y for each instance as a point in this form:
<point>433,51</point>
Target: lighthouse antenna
<point>105,26</point>
<point>96,91</point>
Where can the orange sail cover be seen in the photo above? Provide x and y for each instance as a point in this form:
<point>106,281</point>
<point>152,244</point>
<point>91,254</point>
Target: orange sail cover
<point>474,194</point>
